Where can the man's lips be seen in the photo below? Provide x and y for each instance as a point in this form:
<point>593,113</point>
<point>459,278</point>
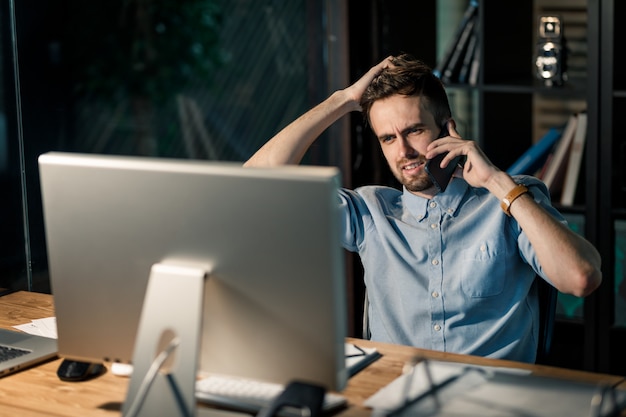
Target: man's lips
<point>416,165</point>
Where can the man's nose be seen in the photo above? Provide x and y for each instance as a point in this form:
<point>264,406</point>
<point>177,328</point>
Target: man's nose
<point>406,148</point>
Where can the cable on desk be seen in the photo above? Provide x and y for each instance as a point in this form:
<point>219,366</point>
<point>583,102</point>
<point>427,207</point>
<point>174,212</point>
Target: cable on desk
<point>149,378</point>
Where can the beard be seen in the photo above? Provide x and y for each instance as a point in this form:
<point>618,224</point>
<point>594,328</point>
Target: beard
<point>418,182</point>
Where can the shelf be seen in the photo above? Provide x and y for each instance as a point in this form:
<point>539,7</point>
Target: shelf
<point>514,110</point>
<point>567,91</point>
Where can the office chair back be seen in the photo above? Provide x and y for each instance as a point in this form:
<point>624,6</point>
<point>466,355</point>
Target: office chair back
<point>547,295</point>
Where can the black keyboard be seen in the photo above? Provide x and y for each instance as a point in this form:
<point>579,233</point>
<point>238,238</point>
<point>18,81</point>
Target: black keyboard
<point>8,353</point>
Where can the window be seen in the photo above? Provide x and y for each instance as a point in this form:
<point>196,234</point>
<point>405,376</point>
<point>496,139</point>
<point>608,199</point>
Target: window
<point>201,79</point>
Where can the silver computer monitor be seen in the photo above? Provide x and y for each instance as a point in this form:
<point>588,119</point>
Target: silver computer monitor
<point>275,302</point>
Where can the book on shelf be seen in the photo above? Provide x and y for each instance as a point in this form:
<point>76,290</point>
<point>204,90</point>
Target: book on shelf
<point>555,171</point>
<point>534,158</point>
<point>452,69</point>
<point>468,16</point>
<point>472,45</point>
<point>572,172</point>
<point>475,66</point>
<point>541,172</point>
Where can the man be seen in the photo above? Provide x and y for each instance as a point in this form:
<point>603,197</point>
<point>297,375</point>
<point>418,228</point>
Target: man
<point>451,270</point>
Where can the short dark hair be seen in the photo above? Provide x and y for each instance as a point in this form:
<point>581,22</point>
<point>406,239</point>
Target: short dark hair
<point>411,77</point>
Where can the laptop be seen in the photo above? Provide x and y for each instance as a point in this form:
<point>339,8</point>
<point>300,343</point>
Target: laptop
<point>19,350</point>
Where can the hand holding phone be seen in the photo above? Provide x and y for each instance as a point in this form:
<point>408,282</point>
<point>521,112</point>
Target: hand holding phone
<point>441,176</point>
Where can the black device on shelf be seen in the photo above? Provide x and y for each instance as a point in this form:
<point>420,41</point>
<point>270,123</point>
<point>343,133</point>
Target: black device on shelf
<point>550,52</point>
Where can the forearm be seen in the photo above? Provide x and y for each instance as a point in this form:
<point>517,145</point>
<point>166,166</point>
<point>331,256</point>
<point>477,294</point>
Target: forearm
<point>290,144</point>
<point>570,262</point>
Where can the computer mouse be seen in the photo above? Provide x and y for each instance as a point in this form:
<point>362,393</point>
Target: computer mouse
<point>74,371</point>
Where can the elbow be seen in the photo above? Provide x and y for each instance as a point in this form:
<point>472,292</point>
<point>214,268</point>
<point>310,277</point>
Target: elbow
<point>586,282</point>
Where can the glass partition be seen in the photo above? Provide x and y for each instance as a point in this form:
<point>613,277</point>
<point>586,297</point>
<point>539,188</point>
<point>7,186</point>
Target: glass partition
<point>201,79</point>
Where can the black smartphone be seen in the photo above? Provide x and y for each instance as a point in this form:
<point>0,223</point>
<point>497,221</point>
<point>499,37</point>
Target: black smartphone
<point>441,176</point>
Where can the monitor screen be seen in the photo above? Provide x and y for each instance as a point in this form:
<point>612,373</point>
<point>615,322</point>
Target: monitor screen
<point>275,298</point>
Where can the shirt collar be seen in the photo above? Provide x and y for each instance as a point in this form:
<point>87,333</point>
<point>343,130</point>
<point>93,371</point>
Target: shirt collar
<point>450,200</point>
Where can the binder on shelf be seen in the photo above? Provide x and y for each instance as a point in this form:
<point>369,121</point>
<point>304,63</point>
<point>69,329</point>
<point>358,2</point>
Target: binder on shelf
<point>536,155</point>
<point>555,172</point>
<point>575,161</point>
<point>468,16</point>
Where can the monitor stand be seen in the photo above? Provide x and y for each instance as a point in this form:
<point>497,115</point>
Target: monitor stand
<point>165,359</point>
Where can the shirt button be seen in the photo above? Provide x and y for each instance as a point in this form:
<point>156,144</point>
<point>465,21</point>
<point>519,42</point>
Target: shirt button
<point>450,211</point>
<point>437,327</point>
<point>435,262</point>
<point>435,294</point>
<point>433,226</point>
<point>433,204</point>
<point>483,248</point>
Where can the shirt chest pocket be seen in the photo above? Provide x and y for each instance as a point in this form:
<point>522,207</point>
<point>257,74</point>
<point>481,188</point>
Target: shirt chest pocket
<point>484,269</point>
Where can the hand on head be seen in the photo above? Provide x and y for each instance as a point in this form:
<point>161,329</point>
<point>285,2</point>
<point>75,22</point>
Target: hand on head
<point>356,90</point>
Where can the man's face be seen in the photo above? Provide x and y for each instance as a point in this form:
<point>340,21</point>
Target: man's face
<point>404,128</point>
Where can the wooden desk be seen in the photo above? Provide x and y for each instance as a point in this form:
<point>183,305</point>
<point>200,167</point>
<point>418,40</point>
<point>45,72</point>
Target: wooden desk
<point>37,392</point>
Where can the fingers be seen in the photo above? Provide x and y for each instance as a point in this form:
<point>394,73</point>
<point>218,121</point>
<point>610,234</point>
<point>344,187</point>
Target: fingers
<point>357,89</point>
<point>446,144</point>
<point>376,69</point>
<point>451,145</point>
<point>387,62</point>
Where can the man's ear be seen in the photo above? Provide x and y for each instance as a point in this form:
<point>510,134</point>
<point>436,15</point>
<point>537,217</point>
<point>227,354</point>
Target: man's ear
<point>451,126</point>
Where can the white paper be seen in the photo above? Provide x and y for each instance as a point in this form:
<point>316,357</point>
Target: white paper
<point>46,327</point>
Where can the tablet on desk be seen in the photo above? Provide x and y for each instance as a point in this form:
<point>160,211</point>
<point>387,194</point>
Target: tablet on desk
<point>436,388</point>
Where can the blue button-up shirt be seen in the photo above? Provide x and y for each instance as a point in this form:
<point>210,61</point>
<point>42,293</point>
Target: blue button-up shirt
<point>451,273</point>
